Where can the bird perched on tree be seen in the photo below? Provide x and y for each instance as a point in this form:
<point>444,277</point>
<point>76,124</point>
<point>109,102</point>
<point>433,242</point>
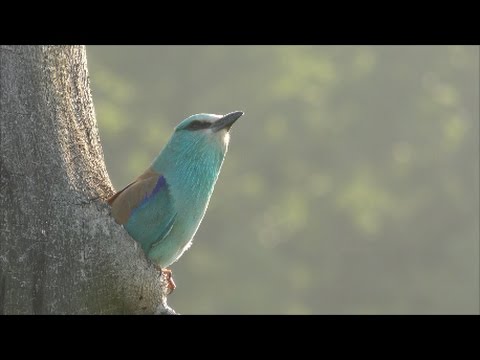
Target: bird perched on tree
<point>163,208</point>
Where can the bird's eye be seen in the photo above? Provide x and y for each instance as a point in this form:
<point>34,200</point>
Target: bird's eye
<point>197,125</point>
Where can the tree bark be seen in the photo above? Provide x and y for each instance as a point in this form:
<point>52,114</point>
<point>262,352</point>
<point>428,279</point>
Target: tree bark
<point>60,250</point>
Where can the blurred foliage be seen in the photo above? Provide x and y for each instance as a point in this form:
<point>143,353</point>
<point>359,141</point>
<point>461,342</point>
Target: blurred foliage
<point>351,184</point>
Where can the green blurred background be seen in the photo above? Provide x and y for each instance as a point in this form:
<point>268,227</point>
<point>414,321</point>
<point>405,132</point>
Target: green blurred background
<point>351,184</point>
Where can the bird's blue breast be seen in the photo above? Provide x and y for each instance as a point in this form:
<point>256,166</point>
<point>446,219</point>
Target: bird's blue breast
<point>167,219</point>
<point>191,200</point>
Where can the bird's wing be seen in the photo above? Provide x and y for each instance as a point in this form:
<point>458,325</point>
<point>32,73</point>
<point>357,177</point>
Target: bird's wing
<point>131,197</point>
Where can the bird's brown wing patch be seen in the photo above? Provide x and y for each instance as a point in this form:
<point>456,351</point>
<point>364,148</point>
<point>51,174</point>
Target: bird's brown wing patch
<point>130,197</point>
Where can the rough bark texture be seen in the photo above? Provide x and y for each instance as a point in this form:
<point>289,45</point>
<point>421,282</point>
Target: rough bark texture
<point>60,250</point>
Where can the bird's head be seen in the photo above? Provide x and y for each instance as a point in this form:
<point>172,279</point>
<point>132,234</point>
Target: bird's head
<point>200,140</point>
<point>210,129</point>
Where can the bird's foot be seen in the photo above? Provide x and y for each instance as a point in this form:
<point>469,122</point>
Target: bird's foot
<point>171,284</point>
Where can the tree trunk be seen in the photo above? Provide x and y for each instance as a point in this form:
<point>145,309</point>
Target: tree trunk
<point>60,251</point>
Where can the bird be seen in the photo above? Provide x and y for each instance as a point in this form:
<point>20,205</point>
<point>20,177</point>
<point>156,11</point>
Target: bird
<point>163,208</point>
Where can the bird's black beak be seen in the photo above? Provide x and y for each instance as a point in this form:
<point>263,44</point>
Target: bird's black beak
<point>226,121</point>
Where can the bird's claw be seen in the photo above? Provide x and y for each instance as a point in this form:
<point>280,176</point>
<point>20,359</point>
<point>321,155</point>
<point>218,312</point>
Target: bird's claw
<point>170,283</point>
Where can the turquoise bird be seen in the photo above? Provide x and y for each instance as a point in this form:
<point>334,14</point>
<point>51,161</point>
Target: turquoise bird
<point>163,208</point>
